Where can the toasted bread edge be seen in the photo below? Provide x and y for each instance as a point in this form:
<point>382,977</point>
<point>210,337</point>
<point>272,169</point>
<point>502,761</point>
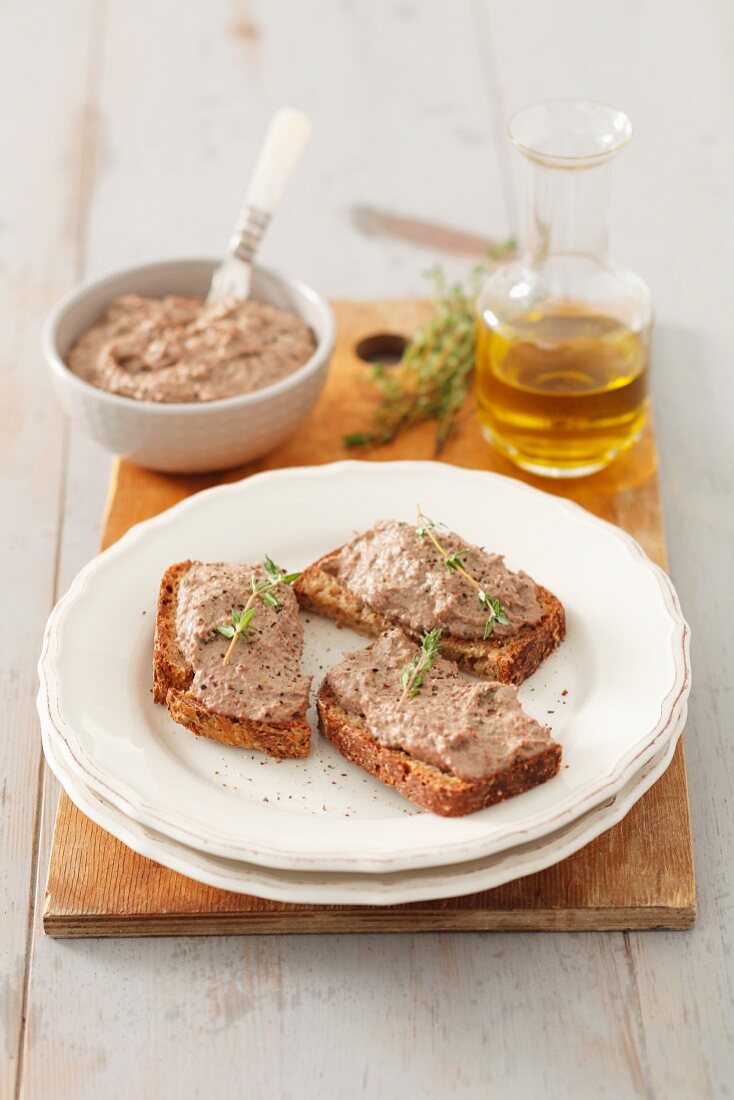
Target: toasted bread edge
<point>427,786</point>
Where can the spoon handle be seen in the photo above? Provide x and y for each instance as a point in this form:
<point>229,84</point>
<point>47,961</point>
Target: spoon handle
<point>284,143</point>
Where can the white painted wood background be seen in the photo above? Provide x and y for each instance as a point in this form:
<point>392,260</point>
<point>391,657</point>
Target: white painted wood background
<point>126,129</point>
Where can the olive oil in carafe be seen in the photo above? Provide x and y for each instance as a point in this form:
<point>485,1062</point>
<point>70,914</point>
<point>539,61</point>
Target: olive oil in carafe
<point>562,390</point>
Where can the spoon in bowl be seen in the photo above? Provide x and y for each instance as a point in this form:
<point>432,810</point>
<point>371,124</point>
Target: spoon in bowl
<point>284,142</point>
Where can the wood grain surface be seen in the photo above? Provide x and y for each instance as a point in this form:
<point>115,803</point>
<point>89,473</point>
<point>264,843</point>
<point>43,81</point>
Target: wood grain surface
<point>126,134</point>
<point>637,875</point>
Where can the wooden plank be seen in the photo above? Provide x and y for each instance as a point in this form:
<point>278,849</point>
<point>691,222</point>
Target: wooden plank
<point>40,238</point>
<point>367,147</point>
<point>638,875</point>
<point>669,66</point>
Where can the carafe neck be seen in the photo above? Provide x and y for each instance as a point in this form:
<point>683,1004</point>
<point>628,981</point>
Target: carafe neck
<point>567,211</point>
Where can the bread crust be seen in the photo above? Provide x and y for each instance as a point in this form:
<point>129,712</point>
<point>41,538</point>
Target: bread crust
<point>440,792</point>
<point>509,660</point>
<point>172,678</point>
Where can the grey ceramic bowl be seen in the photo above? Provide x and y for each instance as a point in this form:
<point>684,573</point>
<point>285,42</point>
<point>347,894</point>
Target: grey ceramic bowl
<point>187,437</point>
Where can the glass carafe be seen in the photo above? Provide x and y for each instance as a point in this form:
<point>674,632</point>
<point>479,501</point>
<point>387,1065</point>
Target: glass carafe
<point>564,335</point>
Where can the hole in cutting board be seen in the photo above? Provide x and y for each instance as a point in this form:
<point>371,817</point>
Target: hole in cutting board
<point>385,348</point>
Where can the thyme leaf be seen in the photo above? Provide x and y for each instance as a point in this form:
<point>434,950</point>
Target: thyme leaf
<point>412,674</point>
<point>455,561</point>
<point>359,439</point>
<point>496,613</point>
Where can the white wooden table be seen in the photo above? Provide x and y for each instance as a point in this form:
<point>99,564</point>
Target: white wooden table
<point>126,131</point>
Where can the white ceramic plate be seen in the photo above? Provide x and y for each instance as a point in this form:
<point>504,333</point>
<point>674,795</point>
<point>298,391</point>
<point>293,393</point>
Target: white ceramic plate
<point>624,666</point>
<point>344,888</point>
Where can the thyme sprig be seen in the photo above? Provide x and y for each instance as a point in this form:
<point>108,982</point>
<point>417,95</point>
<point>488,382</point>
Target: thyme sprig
<point>240,626</point>
<point>264,590</point>
<point>454,562</point>
<point>412,674</point>
<point>434,375</point>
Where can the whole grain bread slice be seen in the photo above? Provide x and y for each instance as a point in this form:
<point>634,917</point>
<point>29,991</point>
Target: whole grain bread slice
<point>435,790</point>
<point>172,679</point>
<point>509,660</point>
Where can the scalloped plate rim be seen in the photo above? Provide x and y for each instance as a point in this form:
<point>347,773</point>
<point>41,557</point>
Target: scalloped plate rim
<point>358,888</point>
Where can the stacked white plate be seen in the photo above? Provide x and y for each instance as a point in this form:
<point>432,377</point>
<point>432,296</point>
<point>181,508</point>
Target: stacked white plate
<point>320,829</point>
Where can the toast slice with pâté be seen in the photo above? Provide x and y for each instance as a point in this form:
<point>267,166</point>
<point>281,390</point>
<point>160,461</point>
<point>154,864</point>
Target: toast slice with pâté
<point>523,762</point>
<point>510,660</point>
<point>174,686</point>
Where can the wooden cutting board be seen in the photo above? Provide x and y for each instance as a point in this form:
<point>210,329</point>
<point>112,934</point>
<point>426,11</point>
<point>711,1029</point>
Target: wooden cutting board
<point>637,875</point>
